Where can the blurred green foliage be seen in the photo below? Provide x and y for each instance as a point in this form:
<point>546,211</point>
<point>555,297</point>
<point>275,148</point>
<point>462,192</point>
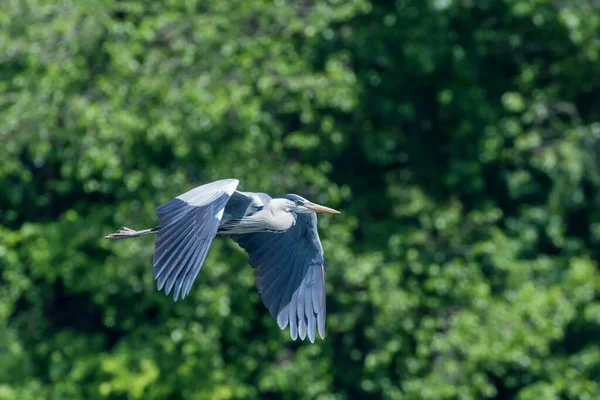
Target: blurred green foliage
<point>460,138</point>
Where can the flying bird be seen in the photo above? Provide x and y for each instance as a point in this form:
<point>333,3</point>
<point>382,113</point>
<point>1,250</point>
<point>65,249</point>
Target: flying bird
<point>279,234</point>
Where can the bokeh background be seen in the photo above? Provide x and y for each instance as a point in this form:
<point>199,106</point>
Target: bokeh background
<point>460,138</point>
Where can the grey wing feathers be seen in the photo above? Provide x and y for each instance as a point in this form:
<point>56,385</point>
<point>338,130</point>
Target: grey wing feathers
<point>243,204</point>
<point>290,275</point>
<point>188,224</point>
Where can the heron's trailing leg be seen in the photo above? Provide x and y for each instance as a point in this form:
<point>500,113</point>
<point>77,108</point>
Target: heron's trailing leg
<point>126,233</point>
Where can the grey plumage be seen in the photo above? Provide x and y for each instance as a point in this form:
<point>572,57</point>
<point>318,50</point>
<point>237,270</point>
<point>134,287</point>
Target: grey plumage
<point>290,275</point>
<point>280,236</point>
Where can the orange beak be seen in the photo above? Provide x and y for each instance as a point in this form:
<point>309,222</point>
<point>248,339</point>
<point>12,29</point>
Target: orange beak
<point>320,208</point>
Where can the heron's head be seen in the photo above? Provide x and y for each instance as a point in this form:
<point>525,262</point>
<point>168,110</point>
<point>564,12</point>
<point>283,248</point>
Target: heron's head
<point>299,204</point>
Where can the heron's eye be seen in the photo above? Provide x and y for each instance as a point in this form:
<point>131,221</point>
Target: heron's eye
<point>298,202</point>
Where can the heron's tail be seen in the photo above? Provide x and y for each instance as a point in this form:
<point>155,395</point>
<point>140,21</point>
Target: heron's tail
<point>126,233</point>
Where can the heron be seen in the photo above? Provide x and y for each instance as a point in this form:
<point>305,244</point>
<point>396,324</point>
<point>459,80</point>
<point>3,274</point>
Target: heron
<point>279,235</point>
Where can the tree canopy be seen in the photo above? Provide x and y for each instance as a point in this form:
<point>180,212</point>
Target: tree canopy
<point>459,138</point>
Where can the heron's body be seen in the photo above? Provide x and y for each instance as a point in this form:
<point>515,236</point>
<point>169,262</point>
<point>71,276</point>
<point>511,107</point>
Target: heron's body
<point>248,212</point>
<point>279,234</point>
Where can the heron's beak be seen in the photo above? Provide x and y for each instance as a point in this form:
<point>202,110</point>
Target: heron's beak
<point>319,208</point>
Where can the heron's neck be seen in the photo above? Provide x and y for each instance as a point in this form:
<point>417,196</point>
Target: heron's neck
<point>266,220</point>
<point>281,221</point>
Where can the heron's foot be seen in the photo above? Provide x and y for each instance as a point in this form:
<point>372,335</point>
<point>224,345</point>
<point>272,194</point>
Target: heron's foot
<point>122,233</point>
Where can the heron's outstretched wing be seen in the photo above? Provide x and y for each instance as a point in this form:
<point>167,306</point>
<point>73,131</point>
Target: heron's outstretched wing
<point>291,275</point>
<point>188,225</point>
